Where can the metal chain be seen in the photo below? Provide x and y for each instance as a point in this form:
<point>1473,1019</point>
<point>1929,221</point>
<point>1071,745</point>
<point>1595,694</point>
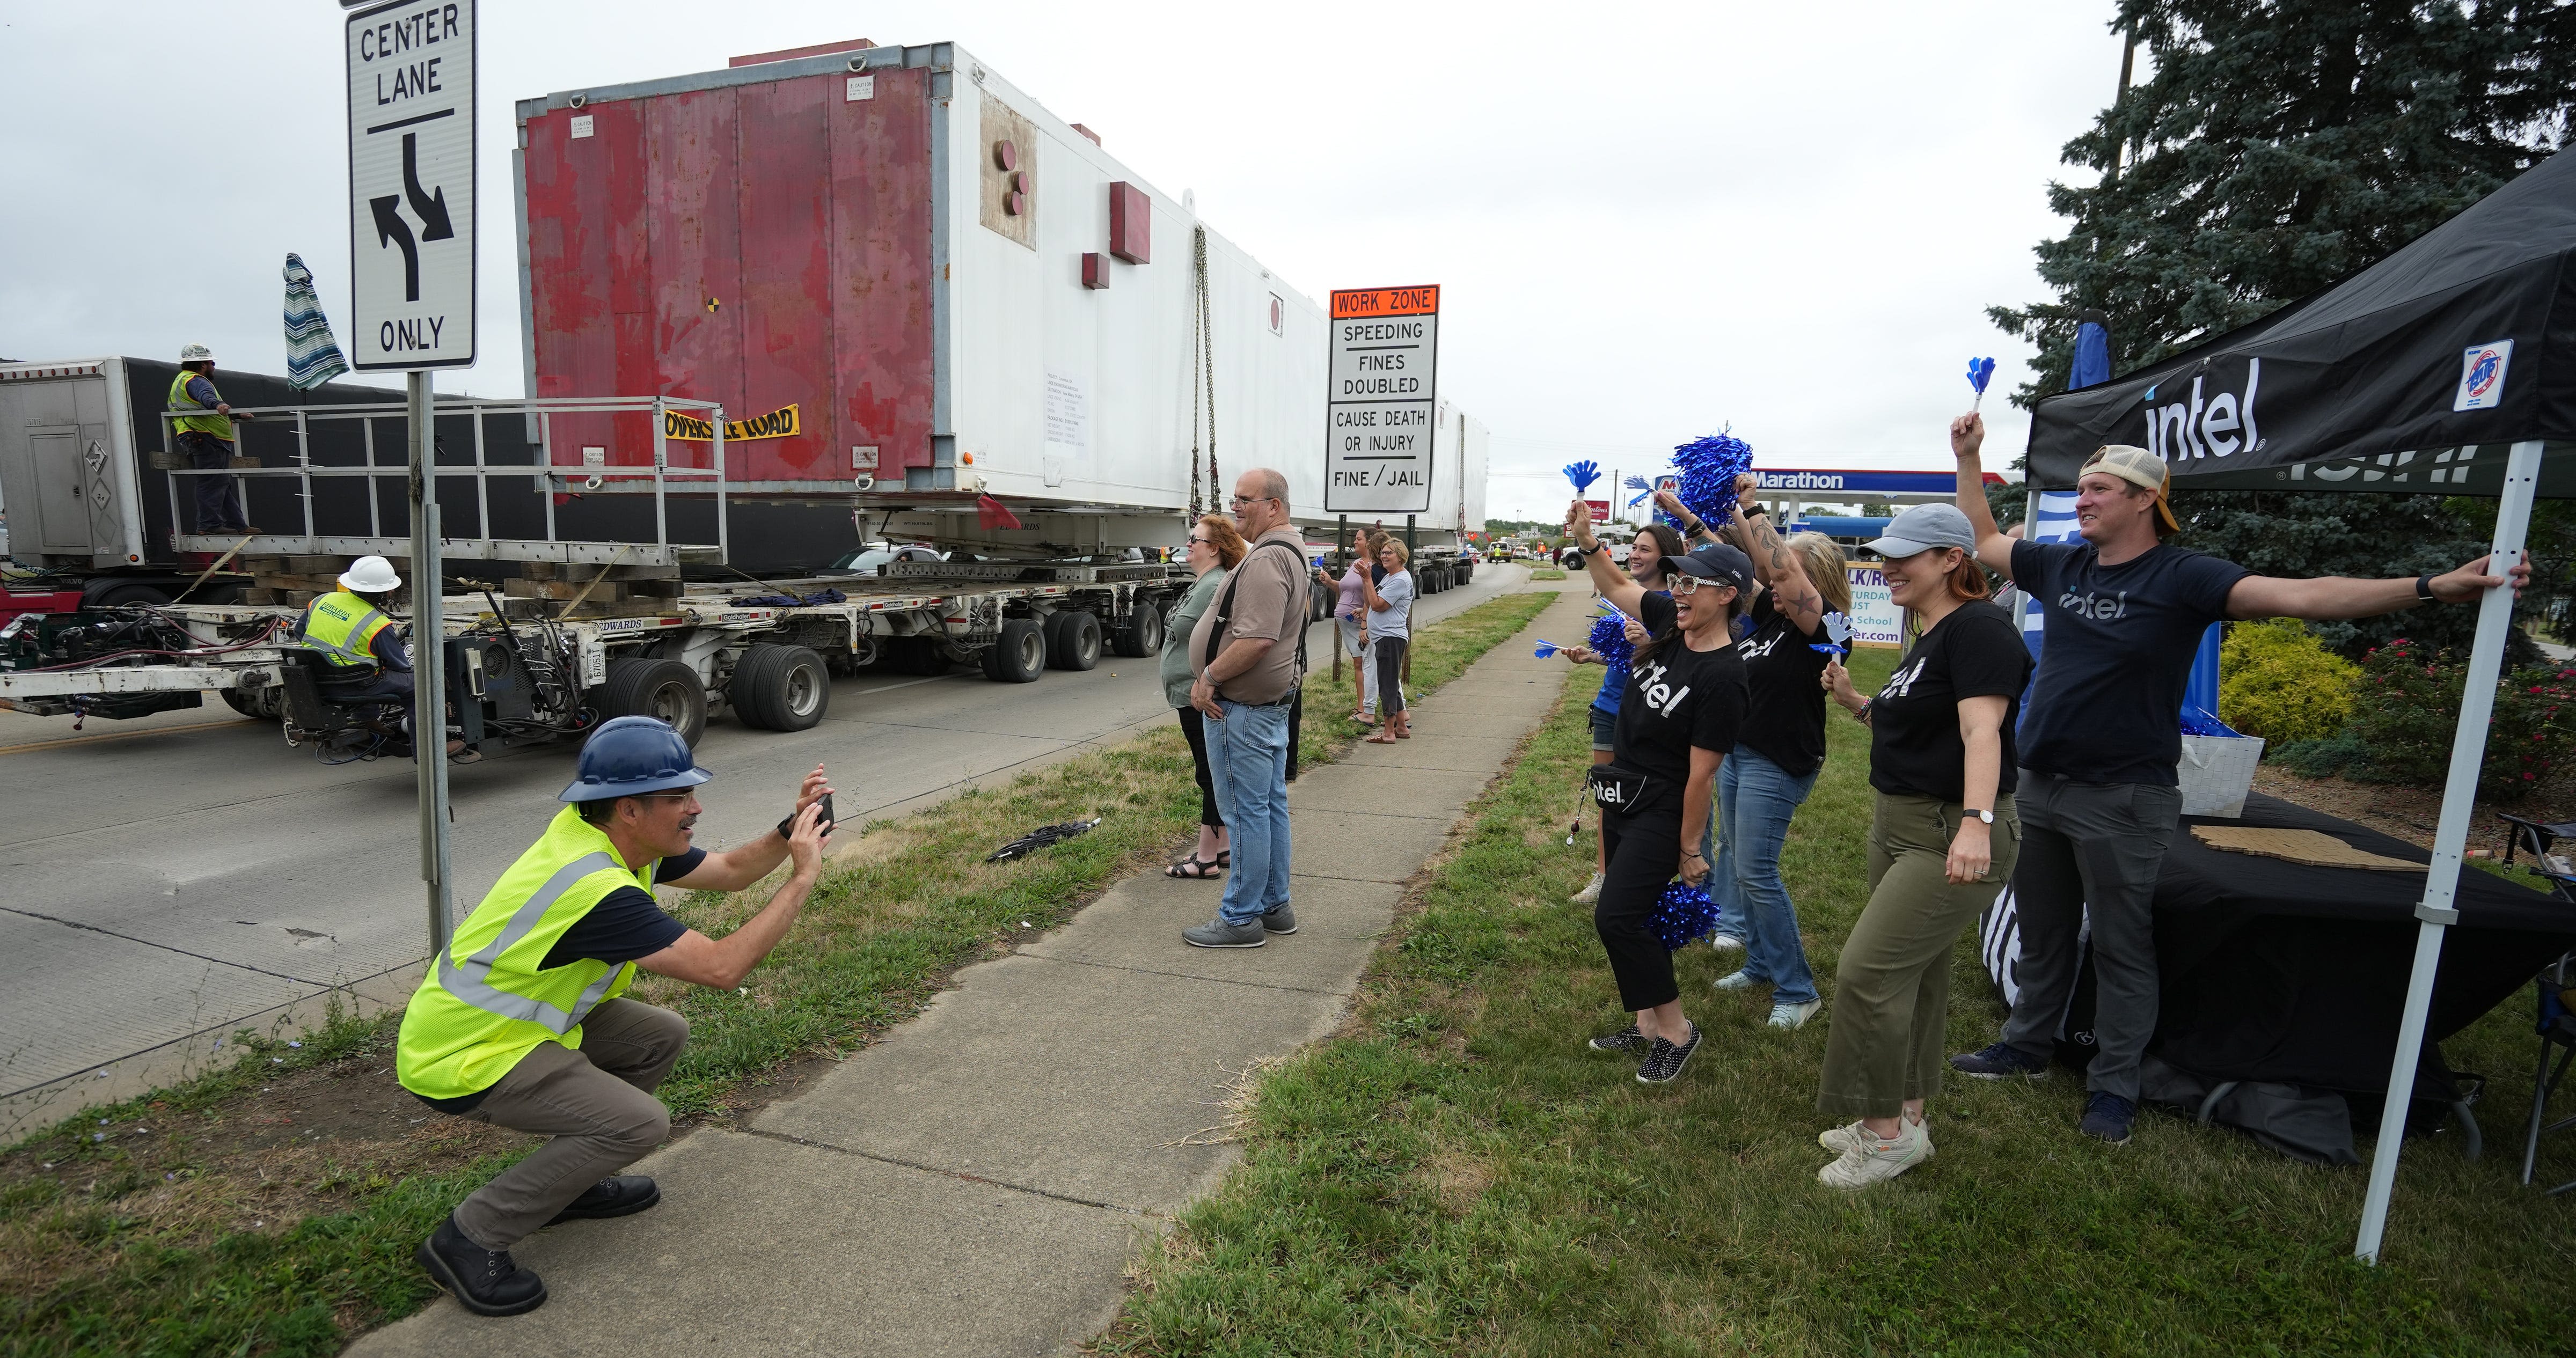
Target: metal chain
<point>1207,327</point>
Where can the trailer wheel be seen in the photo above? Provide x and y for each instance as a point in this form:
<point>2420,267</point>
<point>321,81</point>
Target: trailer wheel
<point>1143,634</point>
<point>105,595</point>
<point>1321,600</point>
<point>259,704</point>
<point>1020,654</point>
<point>1073,640</point>
<point>780,688</point>
<point>666,690</point>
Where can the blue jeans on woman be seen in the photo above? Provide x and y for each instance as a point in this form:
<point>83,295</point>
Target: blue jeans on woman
<point>1755,800</point>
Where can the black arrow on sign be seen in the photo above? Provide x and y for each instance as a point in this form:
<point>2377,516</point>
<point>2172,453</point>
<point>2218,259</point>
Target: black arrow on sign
<point>431,208</point>
<point>391,229</point>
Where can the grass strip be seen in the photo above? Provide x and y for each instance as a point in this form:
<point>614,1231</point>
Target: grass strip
<point>1457,1173</point>
<point>893,917</point>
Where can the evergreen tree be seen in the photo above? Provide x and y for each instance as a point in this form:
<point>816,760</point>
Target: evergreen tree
<point>2278,146</point>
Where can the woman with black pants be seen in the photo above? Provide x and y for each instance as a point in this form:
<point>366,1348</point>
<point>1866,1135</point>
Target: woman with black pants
<point>1215,549</point>
<point>1678,716</point>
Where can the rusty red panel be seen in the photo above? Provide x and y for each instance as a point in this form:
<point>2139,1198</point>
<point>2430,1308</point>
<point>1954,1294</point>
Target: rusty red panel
<point>786,311</point>
<point>696,251</point>
<point>585,258</point>
<point>881,271</point>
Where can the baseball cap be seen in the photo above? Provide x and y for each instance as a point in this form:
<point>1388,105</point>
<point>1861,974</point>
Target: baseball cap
<point>1923,528</point>
<point>1719,562</point>
<point>2138,467</point>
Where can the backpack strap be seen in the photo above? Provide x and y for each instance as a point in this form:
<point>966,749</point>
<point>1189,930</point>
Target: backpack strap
<point>1225,612</point>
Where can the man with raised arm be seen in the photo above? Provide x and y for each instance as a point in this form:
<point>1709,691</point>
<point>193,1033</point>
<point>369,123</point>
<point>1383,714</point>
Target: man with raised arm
<point>2101,736</point>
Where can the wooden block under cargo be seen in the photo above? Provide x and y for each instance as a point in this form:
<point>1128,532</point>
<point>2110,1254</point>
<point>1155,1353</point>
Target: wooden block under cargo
<point>319,564</point>
<point>561,589</point>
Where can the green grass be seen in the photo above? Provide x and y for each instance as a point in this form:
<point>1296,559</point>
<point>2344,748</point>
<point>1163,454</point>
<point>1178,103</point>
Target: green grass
<point>1457,1174</point>
<point>881,933</point>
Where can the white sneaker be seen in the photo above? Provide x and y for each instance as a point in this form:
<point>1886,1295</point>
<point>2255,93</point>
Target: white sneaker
<point>1789,1018</point>
<point>1841,1140</point>
<point>1873,1161</point>
<point>1590,894</point>
<point>1735,980</point>
<point>1726,942</point>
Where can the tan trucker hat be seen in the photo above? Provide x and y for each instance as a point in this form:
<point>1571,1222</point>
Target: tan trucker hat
<point>2138,467</point>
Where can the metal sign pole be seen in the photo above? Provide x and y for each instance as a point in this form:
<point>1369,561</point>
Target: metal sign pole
<point>429,663</point>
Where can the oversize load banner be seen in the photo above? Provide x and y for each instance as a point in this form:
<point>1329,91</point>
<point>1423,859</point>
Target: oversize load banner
<point>777,424</point>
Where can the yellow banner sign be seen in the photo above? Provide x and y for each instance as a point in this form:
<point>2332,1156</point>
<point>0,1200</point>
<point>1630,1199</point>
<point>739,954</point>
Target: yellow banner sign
<point>777,424</point>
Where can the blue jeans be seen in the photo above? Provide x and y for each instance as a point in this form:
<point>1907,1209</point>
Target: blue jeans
<point>1248,758</point>
<point>1755,800</point>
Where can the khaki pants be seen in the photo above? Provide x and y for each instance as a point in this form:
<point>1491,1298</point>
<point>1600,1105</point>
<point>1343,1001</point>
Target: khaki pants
<point>1892,989</point>
<point>598,1105</point>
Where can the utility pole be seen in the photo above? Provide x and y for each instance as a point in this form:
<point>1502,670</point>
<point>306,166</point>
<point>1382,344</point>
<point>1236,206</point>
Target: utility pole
<point>2128,63</point>
<point>429,662</point>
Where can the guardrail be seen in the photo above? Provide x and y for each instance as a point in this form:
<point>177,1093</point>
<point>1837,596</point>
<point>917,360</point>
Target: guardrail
<point>483,545</point>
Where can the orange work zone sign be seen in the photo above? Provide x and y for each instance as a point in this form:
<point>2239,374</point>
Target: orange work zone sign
<point>1386,302</point>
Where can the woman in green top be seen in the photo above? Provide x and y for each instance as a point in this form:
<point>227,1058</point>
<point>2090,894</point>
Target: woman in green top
<point>1215,548</point>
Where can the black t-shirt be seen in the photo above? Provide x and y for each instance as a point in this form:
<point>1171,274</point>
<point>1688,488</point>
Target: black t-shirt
<point>1914,745</point>
<point>1676,698</point>
<point>1784,715</point>
<point>2107,707</point>
<point>627,923</point>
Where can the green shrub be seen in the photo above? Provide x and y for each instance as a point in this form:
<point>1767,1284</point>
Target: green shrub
<point>2408,706</point>
<point>2276,681</point>
<point>2341,755</point>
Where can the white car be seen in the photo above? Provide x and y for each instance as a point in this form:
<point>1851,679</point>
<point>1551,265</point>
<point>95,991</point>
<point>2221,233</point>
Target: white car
<point>867,560</point>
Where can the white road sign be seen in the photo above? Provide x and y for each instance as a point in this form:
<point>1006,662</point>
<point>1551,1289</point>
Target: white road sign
<point>1378,416</point>
<point>411,185</point>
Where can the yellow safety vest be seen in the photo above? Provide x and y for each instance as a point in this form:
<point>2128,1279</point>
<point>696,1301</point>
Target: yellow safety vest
<point>342,627</point>
<point>221,426</point>
<point>489,999</point>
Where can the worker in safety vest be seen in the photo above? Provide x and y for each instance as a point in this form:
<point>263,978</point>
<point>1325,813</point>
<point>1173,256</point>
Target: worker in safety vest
<point>207,439</point>
<point>362,651</point>
<point>522,1023</point>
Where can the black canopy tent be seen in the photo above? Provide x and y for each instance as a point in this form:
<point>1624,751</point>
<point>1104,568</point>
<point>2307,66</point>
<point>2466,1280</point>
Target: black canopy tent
<point>2448,367</point>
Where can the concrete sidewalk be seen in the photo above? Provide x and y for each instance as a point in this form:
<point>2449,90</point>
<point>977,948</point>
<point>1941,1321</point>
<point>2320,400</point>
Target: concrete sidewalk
<point>977,1182</point>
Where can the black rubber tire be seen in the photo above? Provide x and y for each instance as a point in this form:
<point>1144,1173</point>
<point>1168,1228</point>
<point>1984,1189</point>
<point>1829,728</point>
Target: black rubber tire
<point>780,688</point>
<point>1020,654</point>
<point>1143,634</point>
<point>259,704</point>
<point>665,689</point>
<point>1073,640</point>
<point>1325,599</point>
<point>115,596</point>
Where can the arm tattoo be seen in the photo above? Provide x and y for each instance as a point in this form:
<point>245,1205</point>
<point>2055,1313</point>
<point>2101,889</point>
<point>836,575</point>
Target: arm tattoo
<point>1776,550</point>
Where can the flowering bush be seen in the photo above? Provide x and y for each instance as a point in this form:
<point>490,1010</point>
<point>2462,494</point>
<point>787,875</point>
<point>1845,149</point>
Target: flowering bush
<point>2278,682</point>
<point>2409,705</point>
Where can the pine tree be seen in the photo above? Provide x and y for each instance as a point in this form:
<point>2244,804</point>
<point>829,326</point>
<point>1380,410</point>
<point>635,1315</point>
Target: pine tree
<point>2281,145</point>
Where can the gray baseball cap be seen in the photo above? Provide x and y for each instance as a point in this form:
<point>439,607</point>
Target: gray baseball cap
<point>1924,527</point>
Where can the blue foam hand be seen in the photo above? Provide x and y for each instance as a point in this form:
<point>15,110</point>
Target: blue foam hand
<point>1980,372</point>
<point>1582,474</point>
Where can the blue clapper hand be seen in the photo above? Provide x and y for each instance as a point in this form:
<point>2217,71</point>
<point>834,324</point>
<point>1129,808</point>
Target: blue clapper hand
<point>1838,631</point>
<point>1582,474</point>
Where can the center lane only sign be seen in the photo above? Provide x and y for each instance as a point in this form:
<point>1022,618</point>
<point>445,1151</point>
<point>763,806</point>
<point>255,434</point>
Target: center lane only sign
<point>411,185</point>
<point>1378,411</point>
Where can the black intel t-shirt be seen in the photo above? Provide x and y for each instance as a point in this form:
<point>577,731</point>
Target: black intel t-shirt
<point>1676,698</point>
<point>1914,744</point>
<point>1784,716</point>
<point>2107,707</point>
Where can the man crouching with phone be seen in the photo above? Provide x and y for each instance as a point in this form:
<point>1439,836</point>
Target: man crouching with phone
<point>521,1022</point>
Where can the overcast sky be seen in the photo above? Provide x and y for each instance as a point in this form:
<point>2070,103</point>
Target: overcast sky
<point>1650,221</point>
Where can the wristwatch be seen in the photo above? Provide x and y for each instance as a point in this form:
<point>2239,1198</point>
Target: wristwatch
<point>2424,587</point>
<point>1986,816</point>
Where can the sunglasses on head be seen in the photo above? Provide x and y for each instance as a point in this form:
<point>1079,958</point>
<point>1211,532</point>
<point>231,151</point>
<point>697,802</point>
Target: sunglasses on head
<point>1197,541</point>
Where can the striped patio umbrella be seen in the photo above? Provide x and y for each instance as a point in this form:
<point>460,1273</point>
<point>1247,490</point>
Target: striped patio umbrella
<point>312,356</point>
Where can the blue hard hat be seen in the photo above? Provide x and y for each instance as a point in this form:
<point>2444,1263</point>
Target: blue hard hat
<point>630,756</point>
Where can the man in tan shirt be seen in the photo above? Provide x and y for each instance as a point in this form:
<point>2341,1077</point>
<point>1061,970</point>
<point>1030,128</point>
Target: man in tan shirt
<point>1247,652</point>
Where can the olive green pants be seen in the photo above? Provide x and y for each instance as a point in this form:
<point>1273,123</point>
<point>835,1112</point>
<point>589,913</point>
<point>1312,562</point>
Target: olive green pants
<point>1891,1005</point>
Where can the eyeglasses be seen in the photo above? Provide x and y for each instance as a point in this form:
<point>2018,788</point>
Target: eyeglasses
<point>1197,541</point>
<point>1684,585</point>
<point>1253,499</point>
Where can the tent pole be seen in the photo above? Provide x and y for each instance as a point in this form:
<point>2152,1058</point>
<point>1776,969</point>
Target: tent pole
<point>2459,795</point>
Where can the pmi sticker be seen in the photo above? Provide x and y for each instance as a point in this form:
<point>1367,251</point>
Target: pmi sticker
<point>2482,368</point>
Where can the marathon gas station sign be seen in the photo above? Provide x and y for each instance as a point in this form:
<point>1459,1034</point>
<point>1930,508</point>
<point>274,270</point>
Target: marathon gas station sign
<point>1378,417</point>
<point>1874,484</point>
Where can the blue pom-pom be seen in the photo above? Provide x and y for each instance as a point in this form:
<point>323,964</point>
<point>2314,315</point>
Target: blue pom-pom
<point>1582,474</point>
<point>1682,913</point>
<point>1708,469</point>
<point>1610,640</point>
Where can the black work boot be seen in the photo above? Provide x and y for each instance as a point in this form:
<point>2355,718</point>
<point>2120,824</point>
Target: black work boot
<point>621,1195</point>
<point>484,1281</point>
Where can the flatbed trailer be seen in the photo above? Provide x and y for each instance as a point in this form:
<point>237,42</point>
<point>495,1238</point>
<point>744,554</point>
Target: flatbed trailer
<point>712,649</point>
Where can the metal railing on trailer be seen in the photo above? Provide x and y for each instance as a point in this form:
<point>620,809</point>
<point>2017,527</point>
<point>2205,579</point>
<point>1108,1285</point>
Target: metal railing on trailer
<point>484,546</point>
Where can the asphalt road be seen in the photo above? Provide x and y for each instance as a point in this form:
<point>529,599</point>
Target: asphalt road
<point>173,877</point>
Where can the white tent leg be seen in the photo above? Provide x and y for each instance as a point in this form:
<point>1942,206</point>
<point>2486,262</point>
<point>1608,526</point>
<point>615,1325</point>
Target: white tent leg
<point>2459,796</point>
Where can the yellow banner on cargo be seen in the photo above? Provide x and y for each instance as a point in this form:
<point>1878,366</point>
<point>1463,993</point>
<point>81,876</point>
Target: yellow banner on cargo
<point>777,424</point>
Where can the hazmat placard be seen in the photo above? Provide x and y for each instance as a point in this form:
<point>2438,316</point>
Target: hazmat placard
<point>1378,410</point>
<point>777,424</point>
<point>411,185</point>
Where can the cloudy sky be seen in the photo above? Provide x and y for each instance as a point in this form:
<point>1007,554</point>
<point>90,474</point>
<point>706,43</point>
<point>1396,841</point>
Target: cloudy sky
<point>1650,221</point>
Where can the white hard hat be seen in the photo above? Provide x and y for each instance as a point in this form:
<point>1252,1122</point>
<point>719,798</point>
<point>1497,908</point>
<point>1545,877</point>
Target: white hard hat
<point>370,575</point>
<point>196,353</point>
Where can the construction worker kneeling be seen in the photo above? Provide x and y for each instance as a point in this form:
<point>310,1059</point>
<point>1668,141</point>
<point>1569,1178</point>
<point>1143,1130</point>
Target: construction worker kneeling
<point>522,1023</point>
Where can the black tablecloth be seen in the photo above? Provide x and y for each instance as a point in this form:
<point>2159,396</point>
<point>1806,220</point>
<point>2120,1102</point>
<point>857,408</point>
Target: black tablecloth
<point>2274,970</point>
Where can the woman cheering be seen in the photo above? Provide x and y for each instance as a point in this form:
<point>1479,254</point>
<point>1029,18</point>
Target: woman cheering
<point>1680,711</point>
<point>1387,602</point>
<point>1942,841</point>
<point>1656,546</point>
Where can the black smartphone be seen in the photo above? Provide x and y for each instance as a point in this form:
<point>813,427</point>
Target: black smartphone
<point>828,820</point>
<point>787,827</point>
